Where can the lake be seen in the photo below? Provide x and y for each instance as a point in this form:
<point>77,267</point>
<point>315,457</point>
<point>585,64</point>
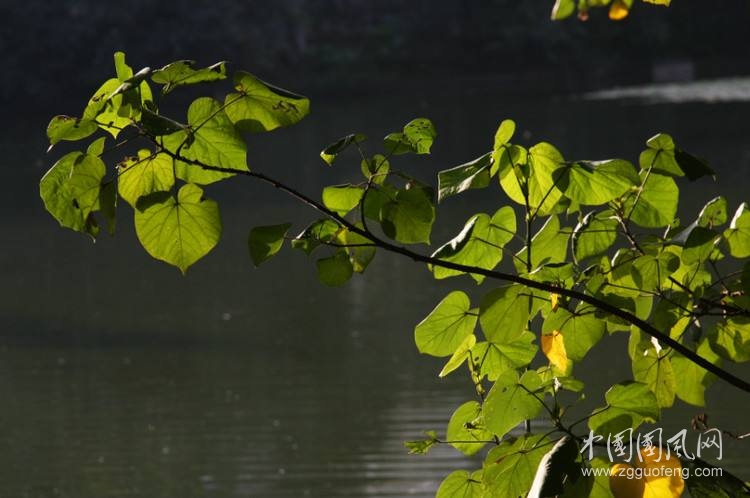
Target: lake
<point>121,378</point>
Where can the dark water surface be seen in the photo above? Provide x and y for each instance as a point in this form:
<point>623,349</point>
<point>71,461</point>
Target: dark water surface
<point>121,378</point>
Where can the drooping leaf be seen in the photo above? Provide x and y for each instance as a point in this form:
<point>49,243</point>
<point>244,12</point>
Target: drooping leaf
<point>655,203</point>
<point>461,484</point>
<point>266,241</point>
<point>553,347</point>
<point>480,243</point>
<point>511,401</point>
<point>69,128</point>
<point>466,428</point>
<point>259,106</point>
<point>181,230</point>
<point>628,406</point>
<point>496,358</point>
<point>596,182</point>
<point>329,153</point>
<point>459,357</point>
<point>422,446</point>
<point>659,156</point>
<point>594,235</point>
<point>694,167</point>
<point>446,327</point>
<point>409,216</point>
<point>509,468</point>
<point>336,270</point>
<point>738,233</point>
<point>181,73</point>
<point>471,175</point>
<point>145,174</point>
<point>70,189</point>
<point>580,330</point>
<point>212,140</point>
<point>342,198</point>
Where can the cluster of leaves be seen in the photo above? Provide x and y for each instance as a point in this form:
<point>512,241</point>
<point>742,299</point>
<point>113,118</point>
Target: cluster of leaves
<point>618,9</point>
<point>593,248</point>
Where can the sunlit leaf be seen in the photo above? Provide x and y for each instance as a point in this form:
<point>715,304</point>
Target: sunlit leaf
<point>69,128</point>
<point>461,484</point>
<point>660,156</point>
<point>145,174</point>
<point>563,9</point>
<point>692,380</point>
<point>417,137</point>
<point>509,468</point>
<point>375,169</point>
<point>264,242</point>
<point>580,330</point>
<point>504,313</point>
<point>550,245</point>
<point>179,230</point>
<point>495,358</point>
<point>619,10</point>
<point>480,243</point>
<point>259,106</point>
<point>511,401</point>
<point>596,182</point>
<point>653,367</point>
<point>656,202</point>
<point>211,140</point>
<point>738,233</point>
<point>553,347</point>
<point>459,357</point>
<point>317,233</point>
<point>628,406</point>
<point>732,339</point>
<point>180,73</point>
<point>471,175</point>
<point>594,235</point>
<point>533,176</point>
<point>409,216</point>
<point>70,189</point>
<point>466,428</point>
<point>329,153</point>
<point>422,446</point>
<point>714,213</point>
<point>446,327</point>
<point>342,198</point>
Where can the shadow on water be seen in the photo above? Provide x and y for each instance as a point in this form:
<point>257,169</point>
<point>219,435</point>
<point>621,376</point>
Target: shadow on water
<point>122,378</point>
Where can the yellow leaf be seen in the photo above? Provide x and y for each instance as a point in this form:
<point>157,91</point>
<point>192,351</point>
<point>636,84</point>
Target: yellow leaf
<point>649,478</point>
<point>554,299</point>
<point>553,348</point>
<point>618,11</point>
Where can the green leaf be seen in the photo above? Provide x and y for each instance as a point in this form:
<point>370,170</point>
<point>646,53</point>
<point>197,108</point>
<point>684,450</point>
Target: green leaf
<point>461,484</point>
<point>181,230</point>
<point>549,245</point>
<point>563,9</point>
<point>628,406</point>
<point>143,175</point>
<point>533,176</point>
<point>738,233</point>
<point>504,313</point>
<point>96,148</point>
<point>471,175</point>
<point>211,140</point>
<point>594,235</point>
<point>596,182</point>
<point>714,213</point>
<point>509,468</point>
<point>659,156</point>
<point>653,367</point>
<point>694,167</point>
<point>659,2</point>
<point>408,218</point>
<point>360,256</point>
<point>421,447</point>
<point>511,401</point>
<point>317,233</point>
<point>504,133</point>
<point>69,128</point>
<point>342,198</point>
<point>70,189</point>
<point>446,327</point>
<point>417,138</point>
<point>479,244</point>
<point>700,245</point>
<point>495,358</point>
<point>260,106</point>
<point>731,339</point>
<point>692,380</point>
<point>181,73</point>
<point>656,203</point>
<point>467,428</point>
<point>375,169</point>
<point>329,153</point>
<point>650,273</point>
<point>580,330</point>
<point>336,270</point>
<point>601,479</point>
<point>266,241</point>
<point>462,353</point>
